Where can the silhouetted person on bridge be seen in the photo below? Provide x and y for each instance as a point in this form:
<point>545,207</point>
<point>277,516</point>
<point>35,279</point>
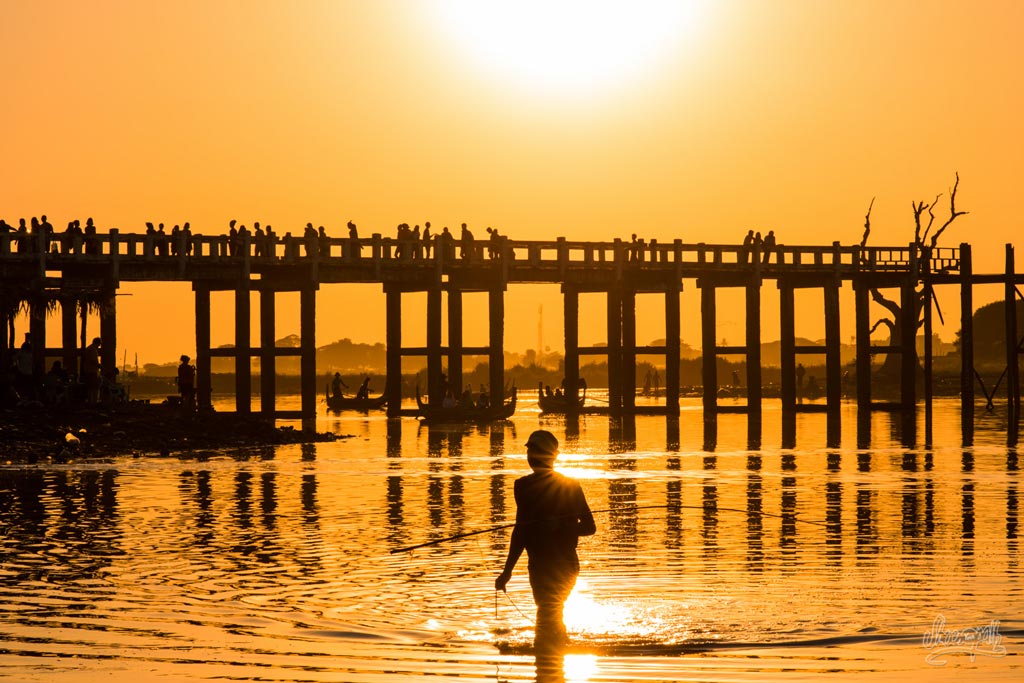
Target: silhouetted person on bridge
<point>354,245</point>
<point>551,514</point>
<point>466,238</point>
<point>426,240</point>
<point>768,246</point>
<point>748,242</point>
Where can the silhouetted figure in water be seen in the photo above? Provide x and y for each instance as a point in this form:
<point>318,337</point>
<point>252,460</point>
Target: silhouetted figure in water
<point>551,514</point>
<point>800,372</point>
<point>187,384</point>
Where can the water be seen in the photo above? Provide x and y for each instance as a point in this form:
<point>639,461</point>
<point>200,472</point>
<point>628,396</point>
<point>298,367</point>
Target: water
<point>275,564</point>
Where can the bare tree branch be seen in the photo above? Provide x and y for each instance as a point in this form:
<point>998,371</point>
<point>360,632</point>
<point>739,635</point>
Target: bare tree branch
<point>882,321</point>
<point>953,213</point>
<point>867,224</point>
<point>931,220</point>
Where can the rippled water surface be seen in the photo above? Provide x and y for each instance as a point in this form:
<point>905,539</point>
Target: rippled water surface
<point>278,564</point>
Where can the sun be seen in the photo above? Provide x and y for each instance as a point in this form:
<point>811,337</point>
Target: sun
<point>566,45</point>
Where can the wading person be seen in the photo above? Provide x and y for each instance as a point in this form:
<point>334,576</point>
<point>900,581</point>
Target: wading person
<point>187,384</point>
<point>551,514</point>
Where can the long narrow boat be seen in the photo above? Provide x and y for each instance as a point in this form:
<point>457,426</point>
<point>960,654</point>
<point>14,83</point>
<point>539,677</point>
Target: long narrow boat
<point>462,414</point>
<point>338,403</point>
<point>558,404</point>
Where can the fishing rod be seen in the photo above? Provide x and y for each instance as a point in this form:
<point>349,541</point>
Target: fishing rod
<point>509,525</point>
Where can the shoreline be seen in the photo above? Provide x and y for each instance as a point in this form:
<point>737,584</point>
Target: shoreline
<point>33,434</point>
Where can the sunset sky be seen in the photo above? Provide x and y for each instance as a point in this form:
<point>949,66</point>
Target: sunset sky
<point>696,121</point>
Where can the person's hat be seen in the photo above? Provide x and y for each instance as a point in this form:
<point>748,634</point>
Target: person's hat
<point>185,358</point>
<point>543,442</point>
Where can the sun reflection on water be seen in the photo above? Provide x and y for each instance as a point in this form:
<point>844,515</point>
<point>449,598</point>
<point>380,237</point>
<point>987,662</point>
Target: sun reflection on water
<point>579,668</point>
<point>583,614</point>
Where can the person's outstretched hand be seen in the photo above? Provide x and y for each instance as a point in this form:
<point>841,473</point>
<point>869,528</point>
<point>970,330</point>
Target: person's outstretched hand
<point>501,581</point>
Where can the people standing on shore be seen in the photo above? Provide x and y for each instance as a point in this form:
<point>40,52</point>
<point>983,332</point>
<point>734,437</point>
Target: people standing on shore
<point>187,384</point>
<point>551,514</point>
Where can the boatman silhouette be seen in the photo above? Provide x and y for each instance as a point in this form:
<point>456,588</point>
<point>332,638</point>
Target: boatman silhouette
<point>551,514</point>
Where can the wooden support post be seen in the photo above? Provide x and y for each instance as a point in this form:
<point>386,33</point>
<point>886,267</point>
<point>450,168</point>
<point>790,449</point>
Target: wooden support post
<point>615,380</point>
<point>862,312</point>
<point>928,364</point>
<point>108,333</point>
<point>307,342</point>
<point>393,359</point>
<point>787,362</point>
<point>833,367</point>
<point>908,360</point>
<point>966,346</point>
<point>672,352</point>
<point>628,350</point>
<point>243,346</point>
<point>203,370</point>
<point>1012,355</point>
<point>753,342</point>
<point>435,391</point>
<point>268,355</point>
<point>454,337</point>
<point>496,342</point>
<point>37,332</point>
<point>571,316</point>
<point>709,363</point>
<point>69,334</point>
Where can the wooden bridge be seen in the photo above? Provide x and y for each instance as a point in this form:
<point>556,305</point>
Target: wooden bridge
<point>34,269</point>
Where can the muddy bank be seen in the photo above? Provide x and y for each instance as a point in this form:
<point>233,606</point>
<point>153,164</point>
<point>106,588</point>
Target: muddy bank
<point>33,434</point>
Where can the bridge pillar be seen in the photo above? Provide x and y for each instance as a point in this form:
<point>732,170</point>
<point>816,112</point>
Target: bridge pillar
<point>203,372</point>
<point>454,337</point>
<point>1012,352</point>
<point>908,360</point>
<point>787,362</point>
<point>753,353</point>
<point>435,390</point>
<point>268,357</point>
<point>862,314</point>
<point>108,332</point>
<point>69,333</point>
<point>615,379</point>
<point>833,368</point>
<point>628,350</point>
<point>571,311</point>
<point>672,350</point>
<point>709,363</point>
<point>307,362</point>
<point>243,345</point>
<point>393,359</point>
<point>496,341</point>
<point>966,346</point>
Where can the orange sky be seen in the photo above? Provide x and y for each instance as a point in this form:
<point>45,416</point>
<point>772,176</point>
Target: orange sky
<point>767,115</point>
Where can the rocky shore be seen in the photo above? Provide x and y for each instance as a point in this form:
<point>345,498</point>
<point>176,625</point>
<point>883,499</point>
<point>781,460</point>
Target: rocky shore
<point>32,434</point>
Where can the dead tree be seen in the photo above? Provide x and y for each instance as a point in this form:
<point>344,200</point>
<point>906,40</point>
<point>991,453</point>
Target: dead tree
<point>924,242</point>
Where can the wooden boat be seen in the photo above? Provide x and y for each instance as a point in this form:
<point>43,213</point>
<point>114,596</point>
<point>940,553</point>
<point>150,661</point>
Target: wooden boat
<point>461,414</point>
<point>558,404</point>
<point>338,403</point>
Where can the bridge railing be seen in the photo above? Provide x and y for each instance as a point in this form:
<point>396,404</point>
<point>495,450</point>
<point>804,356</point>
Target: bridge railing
<point>382,252</point>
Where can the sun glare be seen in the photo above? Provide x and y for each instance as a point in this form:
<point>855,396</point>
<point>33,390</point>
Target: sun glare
<point>567,45</point>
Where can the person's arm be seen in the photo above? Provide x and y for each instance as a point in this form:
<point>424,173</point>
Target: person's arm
<point>515,550</point>
<point>585,525</point>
